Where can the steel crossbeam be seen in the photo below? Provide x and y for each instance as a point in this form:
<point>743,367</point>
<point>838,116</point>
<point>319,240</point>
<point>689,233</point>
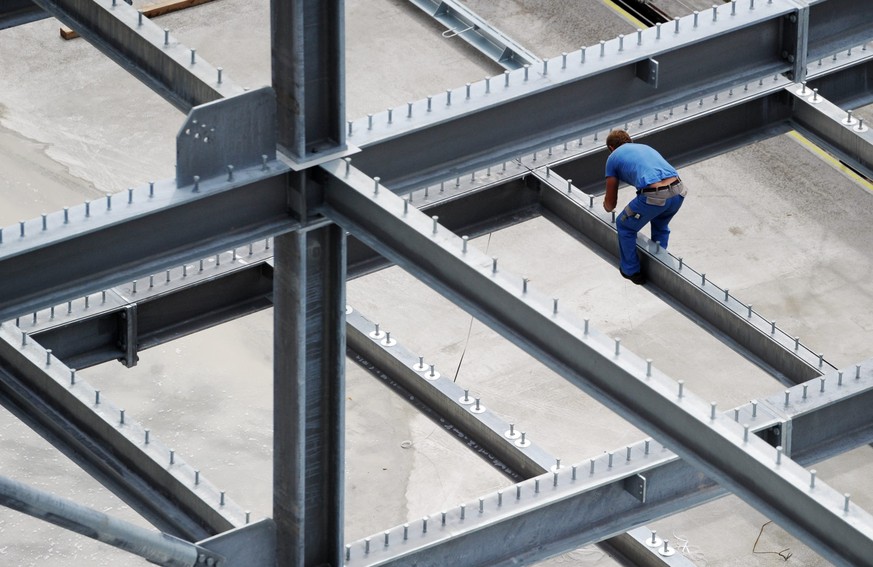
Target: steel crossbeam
<point>112,447</point>
<point>791,362</point>
<point>150,229</point>
<point>845,135</point>
<point>585,502</point>
<point>526,109</point>
<point>463,23</point>
<point>621,381</point>
<point>655,71</point>
<point>143,49</point>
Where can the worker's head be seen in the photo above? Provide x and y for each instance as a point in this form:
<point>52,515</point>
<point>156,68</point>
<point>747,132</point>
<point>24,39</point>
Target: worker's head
<point>617,138</point>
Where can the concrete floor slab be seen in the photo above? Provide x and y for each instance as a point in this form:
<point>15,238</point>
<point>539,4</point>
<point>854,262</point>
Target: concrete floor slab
<point>773,221</point>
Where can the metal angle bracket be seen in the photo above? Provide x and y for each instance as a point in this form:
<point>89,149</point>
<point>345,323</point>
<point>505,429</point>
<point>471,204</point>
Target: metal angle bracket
<point>636,486</point>
<point>252,545</point>
<point>237,131</point>
<point>647,71</point>
<point>795,39</point>
<point>128,338</point>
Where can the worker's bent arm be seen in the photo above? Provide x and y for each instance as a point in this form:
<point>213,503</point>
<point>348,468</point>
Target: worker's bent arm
<point>611,197</point>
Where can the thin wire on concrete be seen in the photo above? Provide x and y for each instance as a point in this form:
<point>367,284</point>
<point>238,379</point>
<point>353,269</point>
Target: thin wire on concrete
<point>470,327</point>
<point>784,554</point>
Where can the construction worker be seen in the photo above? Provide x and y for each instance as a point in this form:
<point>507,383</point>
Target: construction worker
<point>660,194</point>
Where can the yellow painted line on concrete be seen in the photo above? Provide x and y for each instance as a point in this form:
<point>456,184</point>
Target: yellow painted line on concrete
<point>624,14</point>
<point>834,162</point>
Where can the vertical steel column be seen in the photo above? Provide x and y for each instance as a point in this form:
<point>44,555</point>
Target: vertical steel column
<point>309,75</point>
<point>308,393</point>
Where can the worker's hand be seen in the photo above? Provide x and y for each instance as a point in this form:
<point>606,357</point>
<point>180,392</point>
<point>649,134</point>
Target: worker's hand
<point>608,207</point>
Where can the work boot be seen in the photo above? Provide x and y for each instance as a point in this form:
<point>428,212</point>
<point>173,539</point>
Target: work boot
<point>638,278</point>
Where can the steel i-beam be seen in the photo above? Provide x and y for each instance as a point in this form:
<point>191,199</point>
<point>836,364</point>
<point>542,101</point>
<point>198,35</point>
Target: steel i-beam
<point>463,23</point>
<point>593,363</point>
<point>109,445</point>
<point>585,502</point>
<point>308,385</point>
<point>789,359</point>
<point>144,50</point>
<point>307,38</point>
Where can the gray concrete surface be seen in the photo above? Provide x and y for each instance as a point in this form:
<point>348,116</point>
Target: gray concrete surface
<point>774,221</point>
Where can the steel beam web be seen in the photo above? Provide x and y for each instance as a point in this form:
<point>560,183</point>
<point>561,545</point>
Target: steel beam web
<point>309,75</point>
<point>308,399</point>
<point>647,399</point>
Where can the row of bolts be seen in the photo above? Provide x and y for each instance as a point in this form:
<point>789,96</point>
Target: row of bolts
<point>87,298</point>
<point>564,55</point>
<point>654,542</point>
<point>146,432</point>
<point>510,433</point>
<point>130,190</point>
<point>465,240</point>
<point>518,495</point>
<point>610,456</point>
<point>167,41</point>
<point>850,120</point>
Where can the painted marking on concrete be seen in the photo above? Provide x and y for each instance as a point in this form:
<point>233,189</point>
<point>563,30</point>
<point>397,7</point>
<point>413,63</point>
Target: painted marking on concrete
<point>834,162</point>
<point>624,14</point>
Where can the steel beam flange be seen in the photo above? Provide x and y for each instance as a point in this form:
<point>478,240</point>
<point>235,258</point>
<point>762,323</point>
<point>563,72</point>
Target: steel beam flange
<point>595,364</point>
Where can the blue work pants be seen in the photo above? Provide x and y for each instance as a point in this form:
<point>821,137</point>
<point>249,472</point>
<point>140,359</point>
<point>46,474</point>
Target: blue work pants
<point>634,217</point>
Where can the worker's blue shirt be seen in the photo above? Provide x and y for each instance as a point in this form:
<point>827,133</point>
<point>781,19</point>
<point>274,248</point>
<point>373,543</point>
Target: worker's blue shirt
<point>638,165</point>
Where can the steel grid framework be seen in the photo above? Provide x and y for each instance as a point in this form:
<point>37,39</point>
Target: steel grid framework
<point>303,188</point>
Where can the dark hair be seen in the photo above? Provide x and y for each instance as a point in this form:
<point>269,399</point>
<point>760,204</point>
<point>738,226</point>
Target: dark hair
<point>617,138</point>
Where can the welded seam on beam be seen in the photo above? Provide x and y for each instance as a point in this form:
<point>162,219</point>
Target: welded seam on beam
<point>645,397</point>
<point>673,486</point>
<point>464,23</point>
<point>141,457</point>
<point>145,50</point>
